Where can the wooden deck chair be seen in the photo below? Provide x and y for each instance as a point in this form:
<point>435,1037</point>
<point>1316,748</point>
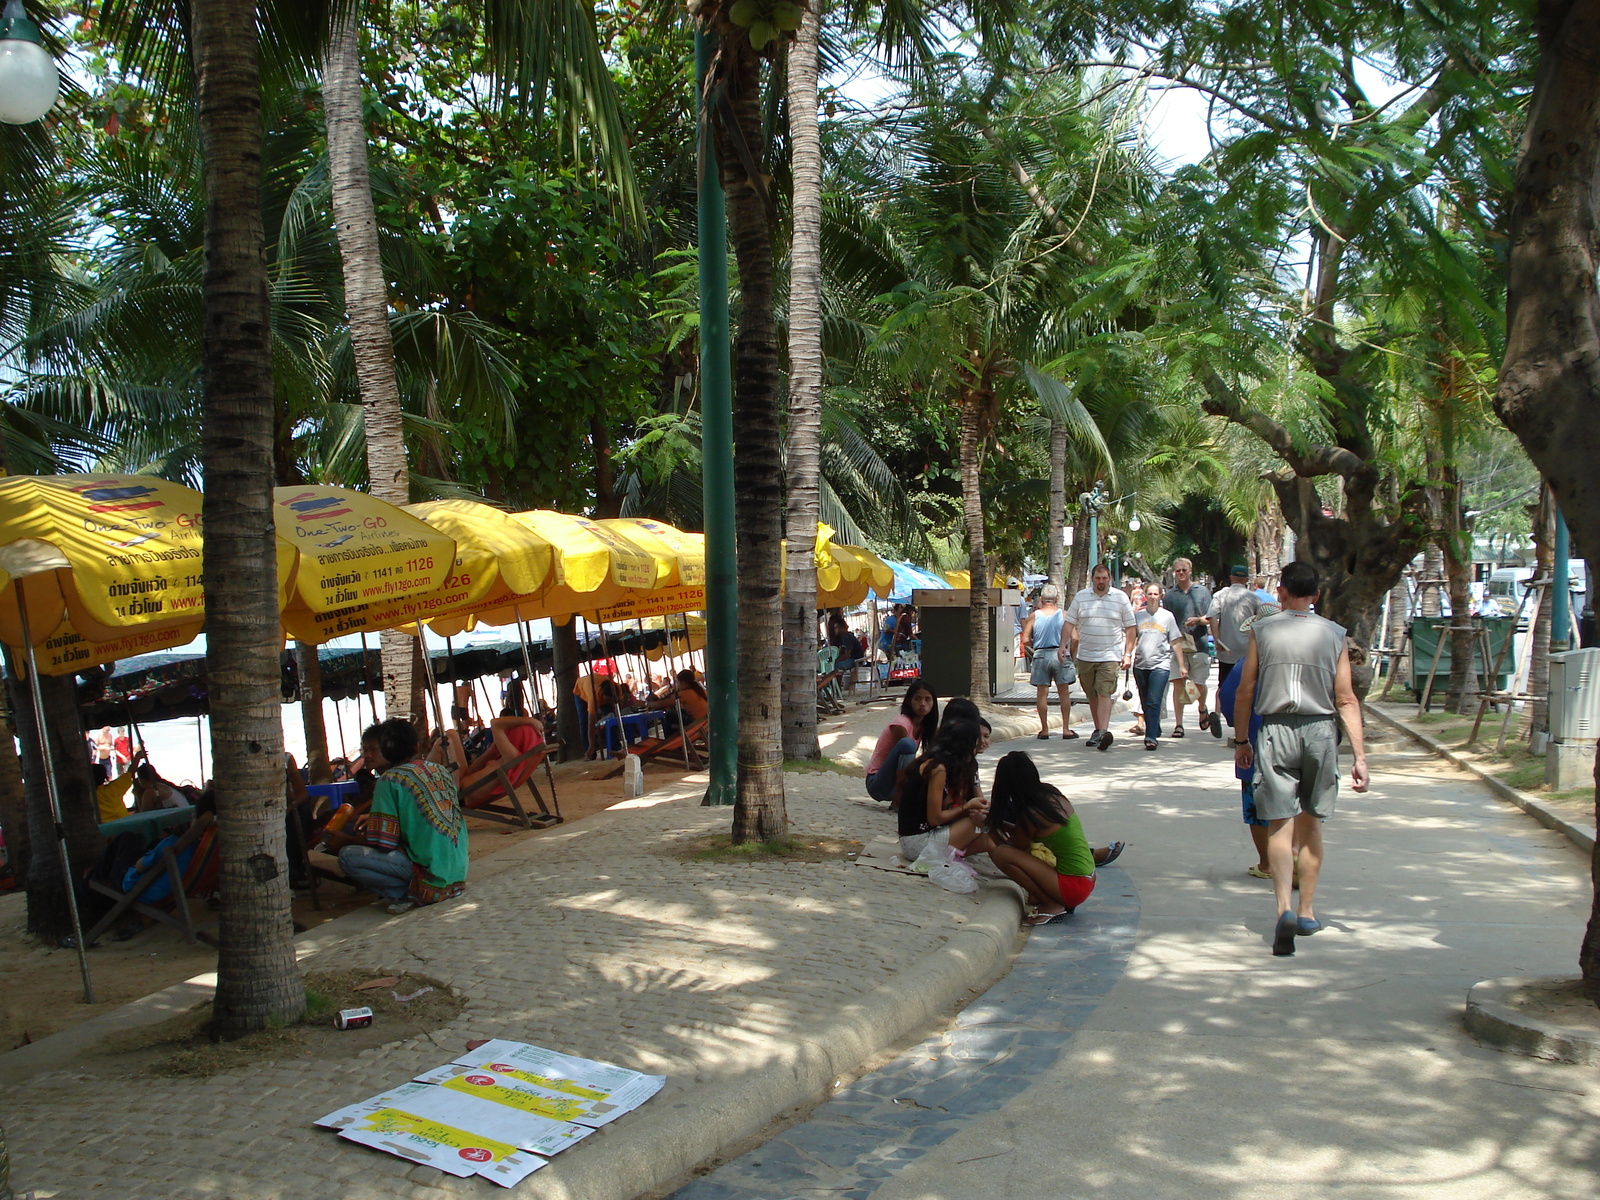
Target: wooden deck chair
<point>668,751</point>
<point>494,797</point>
<point>197,879</point>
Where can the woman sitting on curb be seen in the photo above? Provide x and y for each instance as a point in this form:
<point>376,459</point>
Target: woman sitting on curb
<point>1024,809</point>
<point>941,804</point>
<point>900,741</point>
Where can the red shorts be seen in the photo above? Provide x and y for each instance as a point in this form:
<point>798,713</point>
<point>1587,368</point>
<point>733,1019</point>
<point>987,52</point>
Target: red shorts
<point>1075,889</point>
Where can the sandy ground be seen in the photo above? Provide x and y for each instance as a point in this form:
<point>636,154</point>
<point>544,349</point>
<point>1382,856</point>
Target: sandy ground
<point>41,990</point>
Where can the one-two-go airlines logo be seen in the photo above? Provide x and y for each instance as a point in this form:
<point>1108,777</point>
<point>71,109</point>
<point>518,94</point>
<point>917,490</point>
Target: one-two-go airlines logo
<point>108,496</point>
<point>308,506</point>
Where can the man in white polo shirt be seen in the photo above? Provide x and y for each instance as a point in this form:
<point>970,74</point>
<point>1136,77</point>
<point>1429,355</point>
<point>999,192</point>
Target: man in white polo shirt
<point>1101,628</point>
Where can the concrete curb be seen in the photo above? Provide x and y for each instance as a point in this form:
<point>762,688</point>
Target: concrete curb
<point>1531,805</point>
<point>657,1148</point>
<point>1493,1018</point>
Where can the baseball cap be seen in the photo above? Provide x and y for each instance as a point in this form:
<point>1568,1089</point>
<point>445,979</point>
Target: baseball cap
<point>1238,570</point>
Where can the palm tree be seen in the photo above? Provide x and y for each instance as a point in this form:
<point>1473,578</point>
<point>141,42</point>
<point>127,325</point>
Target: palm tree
<point>366,298</point>
<point>806,366</point>
<point>257,979</point>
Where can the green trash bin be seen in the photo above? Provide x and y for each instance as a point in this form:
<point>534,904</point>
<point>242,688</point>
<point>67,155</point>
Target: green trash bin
<point>1425,638</point>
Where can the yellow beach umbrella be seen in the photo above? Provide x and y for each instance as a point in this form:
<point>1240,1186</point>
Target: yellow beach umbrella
<point>592,566</point>
<point>109,553</point>
<point>962,579</point>
<point>354,549</point>
<point>687,551</point>
<point>678,590</point>
<point>879,574</point>
<point>66,652</point>
<point>491,549</point>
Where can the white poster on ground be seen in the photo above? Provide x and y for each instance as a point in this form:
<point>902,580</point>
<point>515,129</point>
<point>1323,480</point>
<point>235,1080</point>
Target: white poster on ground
<point>501,1115</point>
<point>607,1091</point>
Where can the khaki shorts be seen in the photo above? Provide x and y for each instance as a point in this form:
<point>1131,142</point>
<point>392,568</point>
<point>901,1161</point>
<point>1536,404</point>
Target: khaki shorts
<point>1297,767</point>
<point>1098,678</point>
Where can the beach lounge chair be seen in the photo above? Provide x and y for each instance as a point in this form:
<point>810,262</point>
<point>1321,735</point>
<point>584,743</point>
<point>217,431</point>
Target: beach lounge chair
<point>168,904</point>
<point>671,751</point>
<point>495,798</point>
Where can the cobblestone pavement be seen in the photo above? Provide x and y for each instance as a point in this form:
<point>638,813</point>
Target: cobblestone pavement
<point>993,1052</point>
<point>1153,1049</point>
<point>595,940</point>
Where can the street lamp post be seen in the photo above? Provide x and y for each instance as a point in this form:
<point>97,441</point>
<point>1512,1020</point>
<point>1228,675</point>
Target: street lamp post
<point>1094,502</point>
<point>28,79</point>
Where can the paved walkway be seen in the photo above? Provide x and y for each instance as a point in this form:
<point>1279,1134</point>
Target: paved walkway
<point>1153,1047</point>
<point>748,986</point>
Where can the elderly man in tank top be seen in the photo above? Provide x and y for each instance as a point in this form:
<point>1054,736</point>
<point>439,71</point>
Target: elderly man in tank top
<point>1046,651</point>
<point>1295,676</point>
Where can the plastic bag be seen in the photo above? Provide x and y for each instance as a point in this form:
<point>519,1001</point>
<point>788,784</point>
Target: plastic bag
<point>947,868</point>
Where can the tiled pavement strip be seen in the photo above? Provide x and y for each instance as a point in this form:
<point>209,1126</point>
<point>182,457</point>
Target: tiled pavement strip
<point>996,1049</point>
<point>593,940</point>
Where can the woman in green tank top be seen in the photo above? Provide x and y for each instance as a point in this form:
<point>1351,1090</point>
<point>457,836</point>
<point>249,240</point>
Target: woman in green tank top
<point>1023,810</point>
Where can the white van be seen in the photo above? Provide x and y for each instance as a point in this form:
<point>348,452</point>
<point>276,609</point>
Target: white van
<point>1508,584</point>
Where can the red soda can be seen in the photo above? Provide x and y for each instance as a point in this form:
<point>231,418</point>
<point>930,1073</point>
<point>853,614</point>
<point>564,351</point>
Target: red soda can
<point>353,1018</point>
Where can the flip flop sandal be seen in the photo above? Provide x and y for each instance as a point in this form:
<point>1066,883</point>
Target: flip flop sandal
<point>1116,849</point>
<point>1069,735</point>
<point>1041,918</point>
<point>1177,733</point>
<point>1043,737</point>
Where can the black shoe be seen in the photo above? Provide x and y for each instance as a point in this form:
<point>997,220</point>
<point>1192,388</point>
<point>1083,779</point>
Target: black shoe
<point>1149,743</point>
<point>1283,935</point>
<point>1105,741</point>
<point>1094,740</point>
<point>1216,724</point>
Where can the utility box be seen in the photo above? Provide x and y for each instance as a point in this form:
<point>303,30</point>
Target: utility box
<point>944,620</point>
<point>1574,719</point>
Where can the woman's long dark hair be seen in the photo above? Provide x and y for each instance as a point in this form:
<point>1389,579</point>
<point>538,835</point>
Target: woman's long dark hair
<point>959,708</point>
<point>955,748</point>
<point>686,679</point>
<point>1021,800</point>
<point>930,723</point>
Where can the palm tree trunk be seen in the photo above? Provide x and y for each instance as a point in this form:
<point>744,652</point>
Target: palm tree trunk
<point>805,397</point>
<point>366,299</point>
<point>977,557</point>
<point>5,1167</point>
<point>1078,560</point>
<point>1058,498</point>
<point>257,980</point>
<point>49,918</point>
<point>759,812</point>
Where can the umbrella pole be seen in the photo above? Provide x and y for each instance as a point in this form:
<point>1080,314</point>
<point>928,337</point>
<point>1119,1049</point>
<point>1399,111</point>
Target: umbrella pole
<point>338,722</point>
<point>372,696</point>
<point>200,746</point>
<point>433,686</point>
<point>527,660</point>
<point>616,690</point>
<point>54,798</point>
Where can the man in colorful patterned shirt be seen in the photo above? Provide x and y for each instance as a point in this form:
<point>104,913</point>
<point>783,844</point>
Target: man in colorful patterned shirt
<point>415,841</point>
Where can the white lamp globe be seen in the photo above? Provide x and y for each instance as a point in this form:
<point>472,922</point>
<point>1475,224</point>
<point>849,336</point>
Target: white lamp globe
<point>28,79</point>
<point>1134,525</point>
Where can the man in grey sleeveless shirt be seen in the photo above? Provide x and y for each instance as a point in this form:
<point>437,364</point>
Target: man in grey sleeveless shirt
<point>1046,652</point>
<point>1296,676</point>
